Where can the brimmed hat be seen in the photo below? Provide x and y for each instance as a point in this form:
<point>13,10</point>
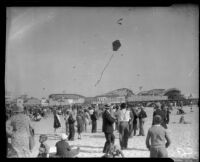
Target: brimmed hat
<point>123,106</point>
<point>157,119</point>
<point>43,138</point>
<point>107,106</point>
<point>63,136</point>
<point>18,108</point>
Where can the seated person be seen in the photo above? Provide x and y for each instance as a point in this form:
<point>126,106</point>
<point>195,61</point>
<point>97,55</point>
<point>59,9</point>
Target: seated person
<point>38,117</point>
<point>64,150</point>
<point>44,148</point>
<point>180,111</point>
<point>113,152</point>
<point>182,121</point>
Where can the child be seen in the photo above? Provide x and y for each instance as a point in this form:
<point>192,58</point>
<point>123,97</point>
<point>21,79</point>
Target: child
<point>182,121</point>
<point>114,152</point>
<point>157,134</point>
<point>44,148</point>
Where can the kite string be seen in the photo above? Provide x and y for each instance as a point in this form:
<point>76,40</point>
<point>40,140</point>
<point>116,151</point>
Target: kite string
<point>104,69</point>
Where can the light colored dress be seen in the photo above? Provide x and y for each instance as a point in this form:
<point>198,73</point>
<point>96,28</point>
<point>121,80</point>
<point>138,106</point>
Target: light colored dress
<point>18,127</point>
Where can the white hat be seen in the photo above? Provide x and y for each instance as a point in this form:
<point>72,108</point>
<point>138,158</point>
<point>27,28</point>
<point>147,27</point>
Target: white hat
<point>63,136</point>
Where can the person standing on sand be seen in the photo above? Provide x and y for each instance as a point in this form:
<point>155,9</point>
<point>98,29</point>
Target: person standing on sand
<point>142,115</point>
<point>66,122</point>
<point>18,128</point>
<point>80,122</point>
<point>87,119</point>
<point>124,118</point>
<point>107,128</point>
<point>133,131</point>
<point>116,114</point>
<point>57,123</point>
<point>158,136</point>
<point>71,121</point>
<point>191,106</point>
<point>94,117</point>
<point>162,113</point>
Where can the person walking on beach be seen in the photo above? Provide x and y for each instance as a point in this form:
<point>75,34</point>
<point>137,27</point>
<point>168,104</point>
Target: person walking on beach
<point>158,136</point>
<point>71,121</point>
<point>141,115</point>
<point>107,128</point>
<point>87,119</point>
<point>18,128</point>
<point>134,116</point>
<point>94,117</point>
<point>57,123</point>
<point>191,106</point>
<point>80,123</point>
<point>66,122</point>
<point>124,117</point>
<point>160,112</point>
<point>116,114</point>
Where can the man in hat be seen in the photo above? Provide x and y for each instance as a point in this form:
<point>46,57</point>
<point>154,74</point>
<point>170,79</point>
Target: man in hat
<point>124,118</point>
<point>162,113</point>
<point>107,128</point>
<point>94,117</point>
<point>64,150</point>
<point>158,135</point>
<point>142,115</point>
<point>134,121</point>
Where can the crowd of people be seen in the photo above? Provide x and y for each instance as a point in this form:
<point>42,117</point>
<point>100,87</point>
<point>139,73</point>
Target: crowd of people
<point>127,119</point>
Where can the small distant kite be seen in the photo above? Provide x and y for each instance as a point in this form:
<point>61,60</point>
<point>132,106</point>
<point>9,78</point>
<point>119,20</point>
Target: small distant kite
<point>116,45</point>
<point>120,21</point>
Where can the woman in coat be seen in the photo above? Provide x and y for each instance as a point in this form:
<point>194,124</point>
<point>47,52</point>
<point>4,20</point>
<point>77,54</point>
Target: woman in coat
<point>57,123</point>
<point>18,127</point>
<point>80,123</point>
<point>87,119</point>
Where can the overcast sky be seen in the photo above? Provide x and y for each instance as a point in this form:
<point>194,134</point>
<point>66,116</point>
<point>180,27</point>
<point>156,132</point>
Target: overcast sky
<point>51,50</point>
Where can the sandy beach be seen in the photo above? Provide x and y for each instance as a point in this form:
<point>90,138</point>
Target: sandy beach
<point>185,137</point>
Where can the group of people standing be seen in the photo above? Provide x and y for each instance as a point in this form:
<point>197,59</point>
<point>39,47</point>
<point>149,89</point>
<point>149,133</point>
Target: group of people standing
<point>127,119</point>
<point>79,117</point>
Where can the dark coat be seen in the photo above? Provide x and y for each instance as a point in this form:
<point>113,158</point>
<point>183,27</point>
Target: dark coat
<point>135,115</point>
<point>142,114</point>
<point>163,115</point>
<point>108,121</point>
<point>94,116</point>
<point>62,148</point>
<point>56,124</point>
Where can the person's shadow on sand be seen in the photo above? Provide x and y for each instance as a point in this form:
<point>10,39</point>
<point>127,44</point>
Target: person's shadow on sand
<point>87,146</point>
<point>139,149</point>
